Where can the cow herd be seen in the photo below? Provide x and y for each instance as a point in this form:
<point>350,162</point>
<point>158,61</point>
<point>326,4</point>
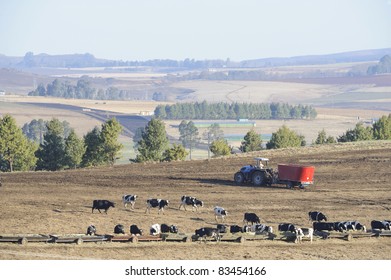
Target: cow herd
<point>251,221</point>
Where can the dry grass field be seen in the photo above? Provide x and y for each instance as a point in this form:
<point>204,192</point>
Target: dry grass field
<point>352,182</point>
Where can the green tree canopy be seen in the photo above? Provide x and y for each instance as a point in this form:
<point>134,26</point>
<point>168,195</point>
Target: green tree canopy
<point>382,128</point>
<point>176,152</point>
<point>284,138</point>
<point>220,147</point>
<point>188,135</point>
<point>324,139</point>
<point>110,132</point>
<point>74,150</point>
<point>252,142</point>
<point>359,133</point>
<point>93,155</point>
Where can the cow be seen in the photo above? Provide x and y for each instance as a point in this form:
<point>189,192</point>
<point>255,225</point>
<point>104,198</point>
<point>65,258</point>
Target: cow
<point>102,204</point>
<point>304,232</point>
<point>164,228</point>
<point>129,199</point>
<point>188,200</point>
<point>320,226</point>
<point>220,212</point>
<point>252,218</point>
<point>205,232</point>
<point>155,229</point>
<point>316,216</point>
<point>156,202</point>
<point>287,227</point>
<point>260,228</point>
<point>340,226</point>
<point>380,225</point>
<point>354,225</point>
<point>235,229</point>
<point>119,229</point>
<point>222,228</point>
<point>91,230</point>
<point>134,230</point>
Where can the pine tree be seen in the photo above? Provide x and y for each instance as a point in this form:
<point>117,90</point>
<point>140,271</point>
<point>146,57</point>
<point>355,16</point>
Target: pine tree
<point>176,152</point>
<point>74,150</point>
<point>188,135</point>
<point>382,128</point>
<point>111,130</point>
<point>284,138</point>
<point>220,148</point>
<point>252,142</point>
<point>93,155</point>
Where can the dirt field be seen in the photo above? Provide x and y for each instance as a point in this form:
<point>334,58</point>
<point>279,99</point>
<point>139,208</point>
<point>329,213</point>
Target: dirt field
<point>352,182</point>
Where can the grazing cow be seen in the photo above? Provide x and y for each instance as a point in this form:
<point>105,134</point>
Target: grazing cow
<point>188,200</point>
<point>319,226</point>
<point>340,226</point>
<point>102,204</point>
<point>235,229</point>
<point>304,232</point>
<point>354,225</point>
<point>260,228</point>
<point>380,225</point>
<point>155,229</point>
<point>222,228</point>
<point>287,227</point>
<point>134,230</point>
<point>91,230</point>
<point>164,228</point>
<point>220,212</point>
<point>129,199</point>
<point>205,232</point>
<point>316,216</point>
<point>119,229</point>
<point>155,202</point>
<point>252,218</point>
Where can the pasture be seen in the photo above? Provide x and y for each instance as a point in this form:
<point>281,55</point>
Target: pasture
<point>351,183</point>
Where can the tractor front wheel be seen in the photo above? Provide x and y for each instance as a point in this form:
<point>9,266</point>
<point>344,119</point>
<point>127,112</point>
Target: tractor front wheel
<point>258,178</point>
<point>239,177</point>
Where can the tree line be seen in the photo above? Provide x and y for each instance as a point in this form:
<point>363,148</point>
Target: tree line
<point>226,111</point>
<point>56,146</point>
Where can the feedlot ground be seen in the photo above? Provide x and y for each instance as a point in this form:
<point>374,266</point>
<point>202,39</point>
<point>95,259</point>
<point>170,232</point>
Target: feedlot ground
<point>352,182</point>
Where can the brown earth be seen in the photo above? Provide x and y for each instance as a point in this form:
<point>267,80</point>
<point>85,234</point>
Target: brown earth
<point>352,182</point>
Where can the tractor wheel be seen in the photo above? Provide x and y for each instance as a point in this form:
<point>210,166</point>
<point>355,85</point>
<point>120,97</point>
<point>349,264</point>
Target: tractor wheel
<point>239,177</point>
<point>258,178</point>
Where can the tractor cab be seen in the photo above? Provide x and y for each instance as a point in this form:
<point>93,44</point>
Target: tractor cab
<point>261,163</point>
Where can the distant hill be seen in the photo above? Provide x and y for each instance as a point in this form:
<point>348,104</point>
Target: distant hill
<point>88,60</point>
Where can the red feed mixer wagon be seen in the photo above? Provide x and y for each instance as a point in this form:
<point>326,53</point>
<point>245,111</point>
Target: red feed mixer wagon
<point>291,175</point>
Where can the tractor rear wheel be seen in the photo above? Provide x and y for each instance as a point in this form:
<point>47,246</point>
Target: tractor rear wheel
<point>239,177</point>
<point>258,178</point>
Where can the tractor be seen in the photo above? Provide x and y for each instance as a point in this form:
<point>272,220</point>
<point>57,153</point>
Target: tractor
<point>258,174</point>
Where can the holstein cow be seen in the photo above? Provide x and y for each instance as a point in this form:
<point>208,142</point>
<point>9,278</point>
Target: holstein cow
<point>260,228</point>
<point>91,230</point>
<point>155,202</point>
<point>340,226</point>
<point>316,216</point>
<point>235,229</point>
<point>129,199</point>
<point>102,205</point>
<point>287,227</point>
<point>380,225</point>
<point>164,228</point>
<point>119,229</point>
<point>304,232</point>
<point>220,212</point>
<point>205,232</point>
<point>251,218</point>
<point>189,200</point>
<point>155,229</point>
<point>354,225</point>
<point>222,228</point>
<point>320,226</point>
<point>134,230</point>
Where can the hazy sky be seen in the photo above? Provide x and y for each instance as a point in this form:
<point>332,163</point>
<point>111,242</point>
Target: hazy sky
<point>199,29</point>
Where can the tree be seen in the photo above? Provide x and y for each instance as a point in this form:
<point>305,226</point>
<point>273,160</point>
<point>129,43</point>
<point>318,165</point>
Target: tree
<point>284,138</point>
<point>176,152</point>
<point>213,133</point>
<point>359,133</point>
<point>220,148</point>
<point>323,138</point>
<point>74,150</point>
<point>252,142</point>
<point>382,128</point>
<point>16,151</point>
<point>153,143</point>
<point>35,130</point>
<point>51,153</point>
<point>93,143</point>
<point>137,137</point>
<point>188,135</point>
<point>110,132</point>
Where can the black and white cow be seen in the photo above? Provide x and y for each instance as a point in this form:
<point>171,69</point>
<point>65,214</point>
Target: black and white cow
<point>287,227</point>
<point>235,229</point>
<point>102,205</point>
<point>380,225</point>
<point>251,218</point>
<point>261,229</point>
<point>222,228</point>
<point>304,232</point>
<point>164,228</point>
<point>155,229</point>
<point>156,202</point>
<point>134,230</point>
<point>129,199</point>
<point>354,225</point>
<point>119,229</point>
<point>205,232</point>
<point>220,212</point>
<point>189,200</point>
<point>340,226</point>
<point>91,230</point>
<point>316,216</point>
<point>320,226</point>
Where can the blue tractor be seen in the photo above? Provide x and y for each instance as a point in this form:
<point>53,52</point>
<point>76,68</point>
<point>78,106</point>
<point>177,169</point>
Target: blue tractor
<point>258,174</point>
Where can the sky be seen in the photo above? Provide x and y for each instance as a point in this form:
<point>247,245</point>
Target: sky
<point>196,29</point>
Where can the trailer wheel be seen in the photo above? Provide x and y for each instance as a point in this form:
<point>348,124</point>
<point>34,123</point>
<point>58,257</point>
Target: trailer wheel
<point>258,178</point>
<point>239,177</point>
<point>289,185</point>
